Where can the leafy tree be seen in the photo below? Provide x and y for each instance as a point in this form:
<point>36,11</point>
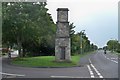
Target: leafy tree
<point>118,47</point>
<point>29,26</point>
<point>76,42</point>
<point>75,45</point>
<point>71,26</point>
<point>112,45</point>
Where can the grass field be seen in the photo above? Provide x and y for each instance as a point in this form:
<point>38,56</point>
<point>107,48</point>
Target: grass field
<point>46,61</point>
<point>116,53</point>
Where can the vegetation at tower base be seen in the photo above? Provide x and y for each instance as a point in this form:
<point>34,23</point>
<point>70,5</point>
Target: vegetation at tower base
<point>48,61</point>
<point>29,27</point>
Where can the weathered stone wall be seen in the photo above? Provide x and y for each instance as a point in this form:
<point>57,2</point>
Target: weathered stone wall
<point>62,29</point>
<point>63,42</point>
<point>62,35</point>
<point>62,15</point>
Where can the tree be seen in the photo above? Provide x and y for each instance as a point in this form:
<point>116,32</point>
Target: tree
<point>118,47</point>
<point>75,42</point>
<point>29,26</point>
<point>71,26</point>
<point>112,45</point>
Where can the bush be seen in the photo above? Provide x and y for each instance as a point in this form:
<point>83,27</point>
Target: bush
<point>118,51</point>
<point>3,54</point>
<point>4,50</point>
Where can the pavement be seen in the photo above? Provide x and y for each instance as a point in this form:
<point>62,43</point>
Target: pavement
<point>96,65</point>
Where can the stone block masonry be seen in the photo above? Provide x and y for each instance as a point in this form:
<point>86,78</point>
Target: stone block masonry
<point>62,41</point>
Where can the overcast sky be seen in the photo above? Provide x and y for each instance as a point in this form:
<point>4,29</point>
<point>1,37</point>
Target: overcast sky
<point>99,18</point>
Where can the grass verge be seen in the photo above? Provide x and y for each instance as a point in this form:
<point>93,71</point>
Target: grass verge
<point>115,53</point>
<point>46,61</point>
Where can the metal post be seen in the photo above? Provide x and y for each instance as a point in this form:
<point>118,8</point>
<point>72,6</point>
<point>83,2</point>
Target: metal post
<point>113,45</point>
<point>81,40</point>
<point>81,43</point>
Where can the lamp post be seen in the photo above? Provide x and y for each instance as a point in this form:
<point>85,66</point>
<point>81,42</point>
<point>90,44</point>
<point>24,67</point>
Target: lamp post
<point>81,40</point>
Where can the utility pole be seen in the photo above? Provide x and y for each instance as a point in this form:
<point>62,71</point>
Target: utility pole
<point>81,41</point>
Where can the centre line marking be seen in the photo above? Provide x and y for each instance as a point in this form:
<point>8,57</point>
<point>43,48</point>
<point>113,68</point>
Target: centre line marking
<point>91,72</point>
<point>98,73</point>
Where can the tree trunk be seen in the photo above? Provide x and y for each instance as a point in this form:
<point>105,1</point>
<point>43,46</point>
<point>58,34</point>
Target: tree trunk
<point>19,47</point>
<point>24,52</point>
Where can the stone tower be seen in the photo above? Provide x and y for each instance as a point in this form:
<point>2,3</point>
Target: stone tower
<point>62,41</point>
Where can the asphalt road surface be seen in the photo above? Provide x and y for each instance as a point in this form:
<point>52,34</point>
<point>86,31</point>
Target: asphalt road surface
<point>97,65</point>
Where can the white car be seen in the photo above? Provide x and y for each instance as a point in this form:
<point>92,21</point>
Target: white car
<point>14,53</point>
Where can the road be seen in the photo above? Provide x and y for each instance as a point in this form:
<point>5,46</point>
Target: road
<point>97,65</point>
<point>106,64</point>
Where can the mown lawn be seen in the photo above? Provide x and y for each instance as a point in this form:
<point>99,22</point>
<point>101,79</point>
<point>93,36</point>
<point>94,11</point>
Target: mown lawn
<point>46,61</point>
<point>115,53</point>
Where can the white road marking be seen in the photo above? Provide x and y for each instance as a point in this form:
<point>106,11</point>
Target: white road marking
<point>114,58</point>
<point>111,59</point>
<point>105,56</point>
<point>108,58</point>
<point>59,76</point>
<point>65,77</point>
<point>114,61</point>
<point>98,73</point>
<point>90,61</point>
<point>91,72</point>
<point>9,74</point>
